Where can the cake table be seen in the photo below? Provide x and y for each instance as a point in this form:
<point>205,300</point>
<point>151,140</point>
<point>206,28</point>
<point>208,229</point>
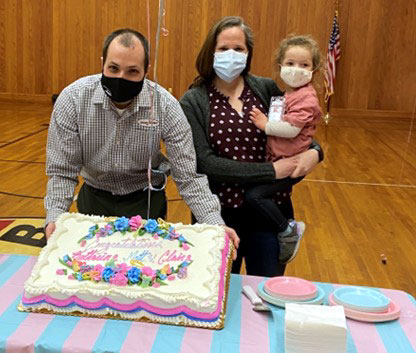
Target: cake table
<point>245,330</point>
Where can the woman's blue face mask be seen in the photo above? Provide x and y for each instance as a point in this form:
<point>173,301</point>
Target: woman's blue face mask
<point>229,64</point>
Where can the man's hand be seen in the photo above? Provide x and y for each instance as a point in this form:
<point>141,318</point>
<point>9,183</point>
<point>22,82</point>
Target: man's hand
<point>50,228</point>
<point>306,161</point>
<point>234,237</point>
<point>258,118</point>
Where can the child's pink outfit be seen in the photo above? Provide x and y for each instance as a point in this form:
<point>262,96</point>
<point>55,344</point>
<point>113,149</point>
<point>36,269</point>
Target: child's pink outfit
<point>302,110</point>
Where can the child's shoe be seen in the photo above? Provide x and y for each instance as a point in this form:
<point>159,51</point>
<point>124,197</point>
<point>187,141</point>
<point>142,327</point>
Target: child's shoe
<point>289,243</point>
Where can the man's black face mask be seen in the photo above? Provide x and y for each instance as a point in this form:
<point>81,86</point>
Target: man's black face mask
<point>120,90</point>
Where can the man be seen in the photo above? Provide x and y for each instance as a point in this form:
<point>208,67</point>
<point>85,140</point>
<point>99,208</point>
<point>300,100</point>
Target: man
<point>99,130</point>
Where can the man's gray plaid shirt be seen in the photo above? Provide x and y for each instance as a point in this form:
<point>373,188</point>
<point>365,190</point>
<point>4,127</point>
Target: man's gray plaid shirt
<point>87,137</point>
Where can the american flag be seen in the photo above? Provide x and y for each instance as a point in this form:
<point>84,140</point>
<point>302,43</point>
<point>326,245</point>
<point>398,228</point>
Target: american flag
<point>332,56</point>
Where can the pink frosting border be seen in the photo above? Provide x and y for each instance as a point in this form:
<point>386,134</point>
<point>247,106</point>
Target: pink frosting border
<point>140,304</point>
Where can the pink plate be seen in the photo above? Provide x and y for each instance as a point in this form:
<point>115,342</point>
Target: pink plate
<point>290,288</point>
<point>392,313</point>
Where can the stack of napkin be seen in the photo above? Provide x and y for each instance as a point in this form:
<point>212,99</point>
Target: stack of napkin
<point>313,328</point>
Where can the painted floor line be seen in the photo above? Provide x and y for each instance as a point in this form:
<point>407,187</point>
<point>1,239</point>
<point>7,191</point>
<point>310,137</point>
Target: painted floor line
<point>362,183</point>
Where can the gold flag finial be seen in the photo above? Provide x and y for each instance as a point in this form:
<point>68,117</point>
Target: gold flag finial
<point>327,117</point>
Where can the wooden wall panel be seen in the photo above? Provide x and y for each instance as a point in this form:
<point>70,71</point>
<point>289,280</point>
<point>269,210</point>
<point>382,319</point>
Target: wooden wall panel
<point>47,44</point>
<point>26,52</point>
<point>79,31</point>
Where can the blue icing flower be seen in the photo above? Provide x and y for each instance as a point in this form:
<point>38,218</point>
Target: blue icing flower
<point>92,228</point>
<point>151,226</point>
<point>181,238</point>
<point>66,258</point>
<point>133,274</point>
<point>162,276</point>
<point>89,236</point>
<point>78,276</point>
<point>108,272</point>
<point>184,264</point>
<point>121,224</point>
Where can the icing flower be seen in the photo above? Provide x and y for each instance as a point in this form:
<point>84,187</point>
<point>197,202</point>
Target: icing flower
<point>60,272</point>
<point>86,268</point>
<point>156,285</point>
<point>99,268</point>
<point>151,226</point>
<point>109,229</point>
<point>101,233</point>
<point>121,224</point>
<point>96,276</point>
<point>147,271</point>
<point>135,222</point>
<point>133,275</point>
<point>155,236</point>
<point>83,243</point>
<point>123,267</point>
<point>185,246</point>
<point>119,280</point>
<point>66,258</point>
<point>173,235</point>
<point>107,273</point>
<point>86,276</point>
<point>171,278</point>
<point>91,231</point>
<point>182,272</point>
<point>165,269</point>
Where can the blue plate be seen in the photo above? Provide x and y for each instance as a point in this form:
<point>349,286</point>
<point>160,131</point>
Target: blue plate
<point>362,299</point>
<point>282,303</point>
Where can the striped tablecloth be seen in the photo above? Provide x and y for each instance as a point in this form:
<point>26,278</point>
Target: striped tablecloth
<point>245,330</point>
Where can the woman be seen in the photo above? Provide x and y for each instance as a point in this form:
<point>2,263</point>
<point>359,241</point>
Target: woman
<point>230,149</point>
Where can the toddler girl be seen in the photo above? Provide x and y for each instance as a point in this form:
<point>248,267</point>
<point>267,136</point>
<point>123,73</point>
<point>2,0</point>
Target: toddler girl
<point>298,58</point>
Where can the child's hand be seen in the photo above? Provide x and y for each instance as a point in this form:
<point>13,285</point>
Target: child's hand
<point>258,118</point>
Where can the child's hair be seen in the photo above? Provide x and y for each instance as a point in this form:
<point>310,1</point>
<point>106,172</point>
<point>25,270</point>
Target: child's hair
<point>305,41</point>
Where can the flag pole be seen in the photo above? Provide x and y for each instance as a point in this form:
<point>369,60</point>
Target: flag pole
<point>328,93</point>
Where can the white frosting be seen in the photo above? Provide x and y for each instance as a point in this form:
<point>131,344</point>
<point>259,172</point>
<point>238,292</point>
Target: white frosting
<point>199,291</point>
